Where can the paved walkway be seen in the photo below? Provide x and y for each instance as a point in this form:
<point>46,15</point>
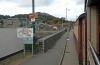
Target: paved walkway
<point>52,56</point>
<point>70,55</point>
<point>62,53</point>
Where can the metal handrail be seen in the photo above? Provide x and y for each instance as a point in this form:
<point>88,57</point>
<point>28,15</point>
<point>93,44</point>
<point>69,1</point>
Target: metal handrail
<point>94,53</point>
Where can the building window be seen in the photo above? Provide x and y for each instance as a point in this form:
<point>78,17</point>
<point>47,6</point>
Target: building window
<point>10,22</point>
<point>22,23</point>
<point>1,25</point>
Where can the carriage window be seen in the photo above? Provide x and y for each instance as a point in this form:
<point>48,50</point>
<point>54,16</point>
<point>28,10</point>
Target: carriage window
<point>99,30</point>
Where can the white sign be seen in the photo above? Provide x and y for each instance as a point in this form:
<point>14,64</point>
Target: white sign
<point>24,32</point>
<point>32,19</point>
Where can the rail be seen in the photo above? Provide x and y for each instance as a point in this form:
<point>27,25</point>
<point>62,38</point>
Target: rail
<point>94,53</point>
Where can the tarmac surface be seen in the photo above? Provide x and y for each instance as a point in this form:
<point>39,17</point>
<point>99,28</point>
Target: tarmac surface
<point>70,56</point>
<point>52,56</point>
<point>62,53</point>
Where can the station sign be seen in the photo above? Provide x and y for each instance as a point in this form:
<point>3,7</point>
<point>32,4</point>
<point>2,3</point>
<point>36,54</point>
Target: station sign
<point>24,32</point>
<point>28,40</point>
<point>33,15</point>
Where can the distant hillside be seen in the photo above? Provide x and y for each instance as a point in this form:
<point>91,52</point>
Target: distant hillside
<point>46,14</point>
<point>45,17</point>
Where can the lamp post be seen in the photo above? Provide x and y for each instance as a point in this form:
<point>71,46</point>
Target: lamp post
<point>62,23</point>
<point>66,13</point>
<point>33,26</point>
<point>76,16</point>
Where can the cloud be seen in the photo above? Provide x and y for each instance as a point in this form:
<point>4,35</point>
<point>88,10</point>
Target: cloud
<point>54,7</point>
<point>28,3</point>
<point>59,9</point>
<point>40,3</point>
<point>80,2</point>
<point>25,3</point>
<point>12,9</point>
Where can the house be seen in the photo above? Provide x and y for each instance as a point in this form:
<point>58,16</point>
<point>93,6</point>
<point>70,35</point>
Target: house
<point>10,23</point>
<point>14,22</point>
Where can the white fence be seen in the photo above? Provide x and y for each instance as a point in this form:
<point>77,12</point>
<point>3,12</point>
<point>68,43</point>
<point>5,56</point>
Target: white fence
<point>9,43</point>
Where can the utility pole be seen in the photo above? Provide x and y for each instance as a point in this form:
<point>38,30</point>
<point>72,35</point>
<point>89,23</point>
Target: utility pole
<point>62,23</point>
<point>76,16</point>
<point>33,26</point>
<point>66,14</point>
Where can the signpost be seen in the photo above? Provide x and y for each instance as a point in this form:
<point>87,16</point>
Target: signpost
<point>26,34</point>
<point>28,40</point>
<point>33,25</point>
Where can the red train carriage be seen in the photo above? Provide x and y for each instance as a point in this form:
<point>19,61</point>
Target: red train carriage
<point>80,30</point>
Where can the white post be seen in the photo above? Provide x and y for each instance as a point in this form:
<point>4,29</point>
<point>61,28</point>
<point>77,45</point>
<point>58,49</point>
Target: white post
<point>24,49</point>
<point>26,22</point>
<point>66,14</point>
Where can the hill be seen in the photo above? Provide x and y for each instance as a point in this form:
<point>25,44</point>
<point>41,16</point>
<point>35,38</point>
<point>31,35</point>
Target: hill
<point>45,17</point>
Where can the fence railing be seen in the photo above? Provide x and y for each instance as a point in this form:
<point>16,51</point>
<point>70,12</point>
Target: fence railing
<point>96,60</point>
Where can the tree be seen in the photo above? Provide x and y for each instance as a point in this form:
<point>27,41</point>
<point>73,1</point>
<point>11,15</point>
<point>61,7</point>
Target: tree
<point>45,17</point>
<point>71,24</point>
<point>44,21</point>
<point>55,21</point>
<point>6,16</point>
<point>58,24</point>
<point>1,21</point>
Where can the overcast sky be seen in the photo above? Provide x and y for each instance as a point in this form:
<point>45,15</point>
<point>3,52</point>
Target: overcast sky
<point>54,7</point>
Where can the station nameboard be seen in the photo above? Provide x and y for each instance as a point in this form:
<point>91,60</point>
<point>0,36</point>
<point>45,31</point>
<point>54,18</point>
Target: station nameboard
<point>27,40</point>
<point>33,15</point>
<point>24,32</point>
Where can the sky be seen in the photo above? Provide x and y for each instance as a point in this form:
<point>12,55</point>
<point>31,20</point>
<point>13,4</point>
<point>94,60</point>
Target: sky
<point>56,8</point>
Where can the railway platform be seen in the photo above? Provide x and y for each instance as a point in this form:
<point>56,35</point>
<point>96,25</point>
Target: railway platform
<point>62,53</point>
